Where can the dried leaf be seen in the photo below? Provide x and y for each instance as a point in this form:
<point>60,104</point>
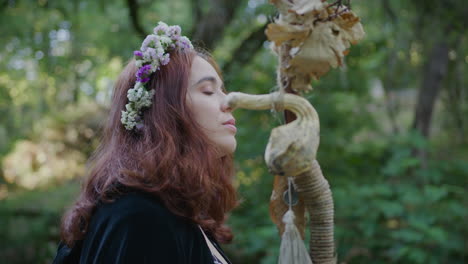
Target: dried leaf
<point>301,83</point>
<point>319,35</point>
<point>323,48</point>
<point>353,29</point>
<point>301,7</point>
<point>347,20</point>
<point>281,33</point>
<point>327,44</point>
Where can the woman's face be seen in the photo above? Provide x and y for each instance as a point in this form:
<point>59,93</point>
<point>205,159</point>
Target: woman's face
<point>204,98</point>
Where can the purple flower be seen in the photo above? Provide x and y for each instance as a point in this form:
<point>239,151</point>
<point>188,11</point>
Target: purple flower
<point>139,126</point>
<point>143,73</point>
<point>139,72</point>
<point>145,69</point>
<point>184,43</point>
<point>138,53</point>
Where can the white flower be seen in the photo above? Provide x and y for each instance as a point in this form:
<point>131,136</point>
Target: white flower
<point>138,85</point>
<point>138,63</point>
<point>161,28</point>
<point>128,107</point>
<point>160,51</point>
<point>144,99</point>
<point>158,46</point>
<point>165,40</point>
<point>128,119</point>
<point>150,41</point>
<point>154,65</point>
<point>164,60</point>
<point>151,54</point>
<point>174,30</point>
<point>155,52</point>
<point>184,43</point>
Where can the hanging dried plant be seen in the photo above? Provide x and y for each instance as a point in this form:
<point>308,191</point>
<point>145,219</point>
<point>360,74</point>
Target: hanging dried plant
<point>318,35</point>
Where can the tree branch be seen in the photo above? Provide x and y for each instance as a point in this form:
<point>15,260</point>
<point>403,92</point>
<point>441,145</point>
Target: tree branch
<point>388,9</point>
<point>197,13</point>
<point>246,50</point>
<point>133,14</point>
<point>209,28</point>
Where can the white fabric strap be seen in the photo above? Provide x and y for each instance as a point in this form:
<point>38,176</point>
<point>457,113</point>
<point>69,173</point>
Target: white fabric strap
<point>213,250</point>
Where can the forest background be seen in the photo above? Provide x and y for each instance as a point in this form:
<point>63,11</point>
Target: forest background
<point>393,120</point>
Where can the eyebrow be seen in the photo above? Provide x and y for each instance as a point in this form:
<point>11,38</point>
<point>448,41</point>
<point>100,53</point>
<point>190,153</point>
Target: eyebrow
<point>210,79</point>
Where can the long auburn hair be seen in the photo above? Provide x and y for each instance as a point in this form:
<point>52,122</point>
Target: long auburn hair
<point>170,158</point>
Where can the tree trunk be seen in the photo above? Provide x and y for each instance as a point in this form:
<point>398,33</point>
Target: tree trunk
<point>456,97</point>
<point>209,27</point>
<point>434,72</point>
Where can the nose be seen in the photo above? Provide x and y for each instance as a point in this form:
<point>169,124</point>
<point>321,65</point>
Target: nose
<point>224,105</point>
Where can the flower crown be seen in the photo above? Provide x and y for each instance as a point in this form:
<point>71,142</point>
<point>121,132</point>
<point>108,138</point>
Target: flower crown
<point>153,53</point>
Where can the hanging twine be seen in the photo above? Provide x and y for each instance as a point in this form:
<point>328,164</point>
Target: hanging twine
<point>292,249</point>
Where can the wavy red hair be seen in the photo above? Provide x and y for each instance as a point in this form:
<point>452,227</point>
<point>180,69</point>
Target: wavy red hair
<point>170,158</point>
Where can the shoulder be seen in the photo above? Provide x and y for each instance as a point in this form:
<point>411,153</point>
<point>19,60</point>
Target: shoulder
<point>140,213</point>
<point>133,206</point>
<point>136,226</point>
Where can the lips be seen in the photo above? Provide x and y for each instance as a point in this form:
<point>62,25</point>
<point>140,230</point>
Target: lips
<point>230,122</point>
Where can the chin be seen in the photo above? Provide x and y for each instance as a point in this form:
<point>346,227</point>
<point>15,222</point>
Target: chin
<point>228,146</point>
<point>229,149</point>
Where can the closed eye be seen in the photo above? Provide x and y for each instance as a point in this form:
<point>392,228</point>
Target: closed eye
<point>208,93</point>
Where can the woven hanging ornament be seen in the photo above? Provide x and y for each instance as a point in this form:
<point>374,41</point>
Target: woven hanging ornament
<point>292,249</point>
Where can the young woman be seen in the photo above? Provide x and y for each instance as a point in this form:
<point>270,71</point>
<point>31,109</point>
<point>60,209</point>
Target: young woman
<point>159,186</point>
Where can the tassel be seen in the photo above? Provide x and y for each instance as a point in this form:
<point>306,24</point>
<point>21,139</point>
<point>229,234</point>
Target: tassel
<point>292,249</point>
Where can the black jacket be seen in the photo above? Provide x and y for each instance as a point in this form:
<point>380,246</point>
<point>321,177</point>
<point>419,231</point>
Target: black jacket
<point>137,228</point>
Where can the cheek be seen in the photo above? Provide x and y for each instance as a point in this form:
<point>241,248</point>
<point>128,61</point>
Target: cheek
<point>205,112</point>
<point>206,104</point>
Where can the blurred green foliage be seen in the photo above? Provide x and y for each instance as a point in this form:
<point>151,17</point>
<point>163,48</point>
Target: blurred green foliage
<point>58,62</point>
